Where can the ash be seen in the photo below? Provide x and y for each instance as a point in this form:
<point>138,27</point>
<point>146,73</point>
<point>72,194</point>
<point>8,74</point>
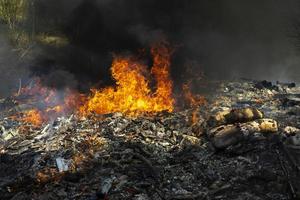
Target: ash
<point>250,152</point>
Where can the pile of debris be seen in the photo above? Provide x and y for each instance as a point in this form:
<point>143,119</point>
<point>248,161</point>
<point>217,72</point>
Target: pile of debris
<point>236,125</point>
<point>243,145</point>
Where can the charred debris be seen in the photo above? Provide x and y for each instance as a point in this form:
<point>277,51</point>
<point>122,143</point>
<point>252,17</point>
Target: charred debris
<point>244,144</point>
<point>241,142</point>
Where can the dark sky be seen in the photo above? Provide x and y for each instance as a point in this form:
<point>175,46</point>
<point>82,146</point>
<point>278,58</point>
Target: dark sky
<point>226,38</point>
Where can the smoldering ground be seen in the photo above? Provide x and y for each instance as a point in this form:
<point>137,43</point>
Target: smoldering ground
<point>225,39</point>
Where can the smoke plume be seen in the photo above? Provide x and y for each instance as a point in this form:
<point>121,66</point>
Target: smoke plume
<point>226,39</point>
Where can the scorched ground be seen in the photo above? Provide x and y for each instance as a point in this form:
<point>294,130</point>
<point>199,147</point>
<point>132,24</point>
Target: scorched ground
<point>163,156</point>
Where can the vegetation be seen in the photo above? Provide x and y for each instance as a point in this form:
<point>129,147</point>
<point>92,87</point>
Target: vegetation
<point>19,17</point>
<point>13,12</point>
<point>54,39</point>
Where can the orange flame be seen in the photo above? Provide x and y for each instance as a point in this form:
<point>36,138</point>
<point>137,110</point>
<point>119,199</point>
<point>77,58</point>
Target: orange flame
<point>52,104</point>
<point>132,94</point>
<point>34,117</point>
<point>194,100</point>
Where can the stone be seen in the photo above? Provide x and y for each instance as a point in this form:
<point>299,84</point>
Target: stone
<point>290,130</point>
<point>235,116</point>
<point>225,135</point>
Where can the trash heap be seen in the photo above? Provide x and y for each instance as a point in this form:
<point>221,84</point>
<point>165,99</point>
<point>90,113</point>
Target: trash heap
<point>243,145</point>
<point>234,126</point>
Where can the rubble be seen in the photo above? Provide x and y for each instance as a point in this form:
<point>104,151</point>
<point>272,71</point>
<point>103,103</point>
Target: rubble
<point>62,164</point>
<point>265,85</point>
<point>234,116</point>
<point>249,153</point>
<point>224,136</point>
<point>290,130</point>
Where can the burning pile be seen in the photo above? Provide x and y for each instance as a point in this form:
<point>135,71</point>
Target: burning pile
<point>165,156</point>
<point>46,104</point>
<point>132,94</point>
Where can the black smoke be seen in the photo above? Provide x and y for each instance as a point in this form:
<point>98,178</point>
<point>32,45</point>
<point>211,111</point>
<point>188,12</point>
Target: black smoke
<point>12,67</point>
<point>223,38</point>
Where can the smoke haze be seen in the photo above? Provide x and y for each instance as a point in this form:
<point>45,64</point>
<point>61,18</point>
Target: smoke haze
<point>227,38</point>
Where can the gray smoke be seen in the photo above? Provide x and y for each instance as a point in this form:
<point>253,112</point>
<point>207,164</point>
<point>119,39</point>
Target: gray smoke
<point>226,38</point>
<point>13,68</point>
<point>250,40</point>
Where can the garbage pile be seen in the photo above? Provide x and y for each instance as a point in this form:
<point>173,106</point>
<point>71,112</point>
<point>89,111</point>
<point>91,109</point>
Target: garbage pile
<point>242,145</point>
<point>238,124</point>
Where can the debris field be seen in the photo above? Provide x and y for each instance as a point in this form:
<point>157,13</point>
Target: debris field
<point>243,144</point>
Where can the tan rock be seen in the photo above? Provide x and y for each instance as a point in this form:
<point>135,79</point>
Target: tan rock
<point>235,116</point>
<point>290,130</point>
<point>226,135</point>
<point>190,140</point>
<point>268,126</point>
<point>260,125</point>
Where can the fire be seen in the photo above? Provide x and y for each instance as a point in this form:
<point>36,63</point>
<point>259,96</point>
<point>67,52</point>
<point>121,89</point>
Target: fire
<point>194,100</point>
<point>49,103</point>
<point>132,94</point>
<point>34,117</point>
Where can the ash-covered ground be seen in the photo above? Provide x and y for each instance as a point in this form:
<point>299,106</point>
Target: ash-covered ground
<point>242,145</point>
